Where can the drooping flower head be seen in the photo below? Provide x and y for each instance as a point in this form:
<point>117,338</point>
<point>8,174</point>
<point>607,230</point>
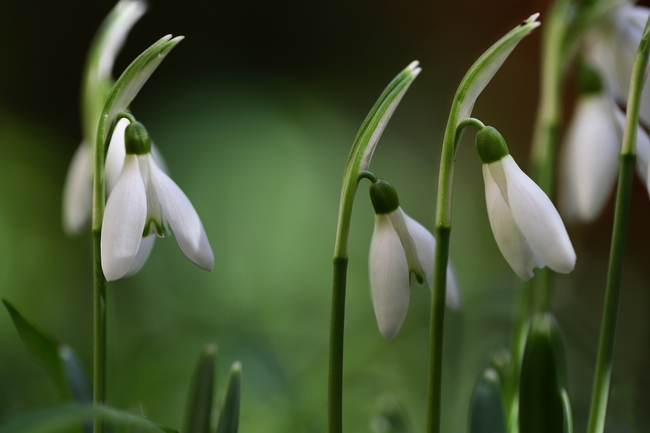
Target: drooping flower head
<point>146,202</point>
<point>525,224</point>
<point>401,251</point>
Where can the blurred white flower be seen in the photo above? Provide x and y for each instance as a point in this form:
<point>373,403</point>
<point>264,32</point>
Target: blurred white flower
<point>401,250</point>
<point>144,202</point>
<point>77,190</point>
<point>525,224</point>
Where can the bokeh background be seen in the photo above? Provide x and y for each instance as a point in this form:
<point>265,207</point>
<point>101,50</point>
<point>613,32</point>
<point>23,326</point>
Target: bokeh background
<point>255,112</point>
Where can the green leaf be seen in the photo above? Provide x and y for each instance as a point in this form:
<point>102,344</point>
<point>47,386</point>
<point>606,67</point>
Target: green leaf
<point>41,345</point>
<point>229,417</point>
<point>199,399</point>
<point>541,407</point>
<point>487,414</point>
<point>568,413</point>
<point>75,375</point>
<point>67,417</point>
<point>131,81</point>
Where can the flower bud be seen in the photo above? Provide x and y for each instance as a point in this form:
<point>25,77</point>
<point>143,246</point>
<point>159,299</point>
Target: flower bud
<point>490,145</point>
<point>136,139</point>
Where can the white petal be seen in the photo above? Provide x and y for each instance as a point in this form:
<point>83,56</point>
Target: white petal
<point>78,190</point>
<point>511,241</point>
<point>146,245</point>
<point>124,220</point>
<point>125,14</point>
<point>389,278</point>
<point>182,218</point>
<point>538,219</point>
<point>115,155</point>
<point>590,163</point>
<point>398,219</point>
<point>425,244</point>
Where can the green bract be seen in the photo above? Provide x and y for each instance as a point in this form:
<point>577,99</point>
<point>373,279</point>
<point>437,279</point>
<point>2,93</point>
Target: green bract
<point>136,139</point>
<point>384,197</point>
<point>364,146</point>
<point>131,81</point>
<point>490,145</point>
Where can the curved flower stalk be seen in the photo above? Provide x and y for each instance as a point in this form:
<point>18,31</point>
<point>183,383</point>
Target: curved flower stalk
<point>97,81</point>
<point>526,225</point>
<point>401,251</point>
<point>144,202</point>
<point>358,160</point>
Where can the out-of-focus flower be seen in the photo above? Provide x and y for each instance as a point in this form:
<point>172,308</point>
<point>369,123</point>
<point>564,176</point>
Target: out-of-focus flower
<point>144,202</point>
<point>77,190</point>
<point>401,251</point>
<point>525,224</point>
<point>593,141</point>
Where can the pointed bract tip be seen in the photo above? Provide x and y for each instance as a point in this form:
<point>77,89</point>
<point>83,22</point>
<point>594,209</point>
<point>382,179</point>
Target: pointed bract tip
<point>533,18</point>
<point>414,64</point>
<point>236,367</point>
<point>210,349</point>
<point>177,39</point>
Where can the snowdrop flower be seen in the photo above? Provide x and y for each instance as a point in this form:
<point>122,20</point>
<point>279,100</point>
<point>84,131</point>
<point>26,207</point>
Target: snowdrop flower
<point>590,153</point>
<point>525,224</point>
<point>77,190</point>
<point>144,202</point>
<point>401,251</point>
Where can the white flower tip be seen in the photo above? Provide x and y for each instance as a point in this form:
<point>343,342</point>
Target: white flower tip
<point>389,332</point>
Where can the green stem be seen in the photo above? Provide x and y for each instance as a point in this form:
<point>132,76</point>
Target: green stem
<point>604,362</point>
<point>99,351</point>
<point>337,326</point>
<point>615,273</point>
<point>437,327</point>
<point>450,142</point>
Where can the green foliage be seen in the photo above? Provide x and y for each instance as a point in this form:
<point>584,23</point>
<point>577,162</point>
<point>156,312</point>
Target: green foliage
<point>487,413</point>
<point>541,405</point>
<point>229,417</point>
<point>199,399</point>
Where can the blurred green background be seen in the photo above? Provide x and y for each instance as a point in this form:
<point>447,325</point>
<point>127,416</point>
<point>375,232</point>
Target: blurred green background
<point>255,112</point>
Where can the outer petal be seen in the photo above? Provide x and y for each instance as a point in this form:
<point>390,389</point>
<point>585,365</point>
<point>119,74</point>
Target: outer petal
<point>511,241</point>
<point>425,244</point>
<point>538,219</point>
<point>124,219</point>
<point>116,154</point>
<point>78,190</point>
<point>389,278</point>
<point>182,218</point>
<point>146,245</point>
<point>590,161</point>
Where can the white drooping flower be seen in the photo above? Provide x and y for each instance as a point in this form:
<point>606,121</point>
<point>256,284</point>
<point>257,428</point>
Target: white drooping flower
<point>144,202</point>
<point>401,250</point>
<point>77,190</point>
<point>590,152</point>
<point>524,221</point>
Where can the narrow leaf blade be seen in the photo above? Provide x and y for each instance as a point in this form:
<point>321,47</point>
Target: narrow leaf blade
<point>199,399</point>
<point>487,413</point>
<point>41,345</point>
<point>229,418</point>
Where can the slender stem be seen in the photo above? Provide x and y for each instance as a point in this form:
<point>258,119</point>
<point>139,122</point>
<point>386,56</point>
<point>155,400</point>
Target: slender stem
<point>603,372</point>
<point>437,327</point>
<point>337,322</point>
<point>99,280</point>
<point>99,351</point>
